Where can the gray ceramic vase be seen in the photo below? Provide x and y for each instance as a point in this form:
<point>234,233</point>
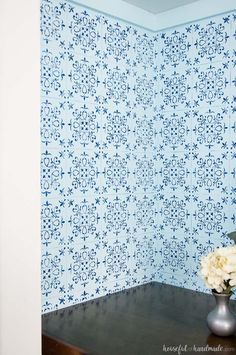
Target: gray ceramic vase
<point>222,321</point>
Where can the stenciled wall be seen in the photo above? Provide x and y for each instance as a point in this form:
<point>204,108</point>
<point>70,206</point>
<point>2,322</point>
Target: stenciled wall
<point>138,169</point>
<point>98,167</point>
<point>197,145</point>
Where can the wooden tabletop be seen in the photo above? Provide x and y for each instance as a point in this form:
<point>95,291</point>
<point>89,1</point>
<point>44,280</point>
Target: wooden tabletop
<point>152,319</point>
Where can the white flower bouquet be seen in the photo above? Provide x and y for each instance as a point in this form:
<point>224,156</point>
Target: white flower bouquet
<point>218,269</point>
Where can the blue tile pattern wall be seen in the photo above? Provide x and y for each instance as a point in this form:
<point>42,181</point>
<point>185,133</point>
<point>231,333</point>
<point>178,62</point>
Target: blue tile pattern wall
<point>197,145</point>
<point>99,174</point>
<point>138,151</point>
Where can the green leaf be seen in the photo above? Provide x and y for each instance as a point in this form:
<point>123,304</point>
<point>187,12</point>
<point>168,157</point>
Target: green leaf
<point>232,236</point>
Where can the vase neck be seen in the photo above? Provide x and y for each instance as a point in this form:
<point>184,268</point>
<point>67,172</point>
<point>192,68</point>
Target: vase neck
<point>222,299</point>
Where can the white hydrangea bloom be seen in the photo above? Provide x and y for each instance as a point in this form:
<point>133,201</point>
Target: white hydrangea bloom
<point>218,268</point>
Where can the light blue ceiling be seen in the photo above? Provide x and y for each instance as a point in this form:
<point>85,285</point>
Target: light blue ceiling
<point>158,6</point>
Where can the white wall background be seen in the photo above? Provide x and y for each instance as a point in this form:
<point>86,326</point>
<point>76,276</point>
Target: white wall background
<point>20,304</point>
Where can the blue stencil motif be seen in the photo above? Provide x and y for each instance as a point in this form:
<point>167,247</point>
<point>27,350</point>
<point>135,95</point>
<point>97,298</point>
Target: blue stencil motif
<point>83,79</point>
<point>173,254</point>
<point>117,215</point>
<point>84,125</point>
<point>83,265</point>
<point>210,172</point>
<point>211,85</point>
<point>84,30</point>
<point>52,223</point>
<point>175,213</point>
<point>53,270</point>
<point>84,220</point>
<point>175,89</point>
<point>144,91</point>
<point>52,173</point>
<point>116,172</point>
<point>83,173</point>
<point>52,20</point>
<point>117,128</point>
<point>176,47</point>
<point>116,261</point>
<point>144,131</point>
<point>145,255</point>
<point>138,151</point>
<point>117,85</point>
<point>145,173</point>
<point>52,122</point>
<point>145,51</point>
<point>202,249</point>
<point>211,39</point>
<point>52,73</point>
<point>117,40</point>
<point>210,216</point>
<point>145,213</point>
<point>174,172</point>
<point>174,130</point>
<point>210,127</point>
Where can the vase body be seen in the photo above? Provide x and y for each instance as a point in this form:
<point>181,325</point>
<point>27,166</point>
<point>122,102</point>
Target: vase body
<point>221,321</point>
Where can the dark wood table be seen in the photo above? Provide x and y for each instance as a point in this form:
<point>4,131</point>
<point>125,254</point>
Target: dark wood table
<point>145,320</point>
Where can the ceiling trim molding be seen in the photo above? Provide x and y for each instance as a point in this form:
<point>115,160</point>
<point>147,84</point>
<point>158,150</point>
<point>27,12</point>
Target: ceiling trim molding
<point>155,23</point>
<point>121,10</point>
<point>193,12</point>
